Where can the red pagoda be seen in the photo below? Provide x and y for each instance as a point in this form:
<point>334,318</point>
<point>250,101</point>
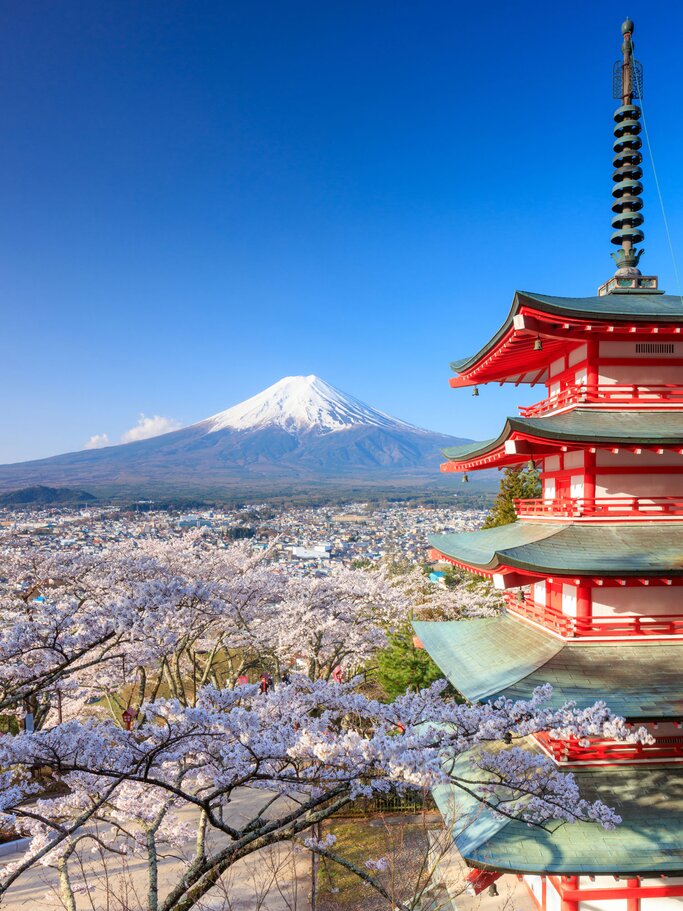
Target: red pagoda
<point>592,570</point>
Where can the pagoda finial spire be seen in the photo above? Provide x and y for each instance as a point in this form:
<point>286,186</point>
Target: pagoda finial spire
<point>627,205</point>
<point>627,159</point>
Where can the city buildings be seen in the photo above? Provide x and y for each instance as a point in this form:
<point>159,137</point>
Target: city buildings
<point>299,539</point>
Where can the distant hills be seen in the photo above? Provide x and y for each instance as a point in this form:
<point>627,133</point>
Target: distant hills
<point>40,495</point>
<point>299,432</point>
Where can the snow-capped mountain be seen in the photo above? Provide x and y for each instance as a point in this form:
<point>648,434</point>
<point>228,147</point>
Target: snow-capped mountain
<point>297,403</point>
<point>299,431</point>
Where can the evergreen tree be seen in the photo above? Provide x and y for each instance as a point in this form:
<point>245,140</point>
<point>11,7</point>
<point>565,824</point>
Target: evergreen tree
<point>518,483</point>
<point>401,666</point>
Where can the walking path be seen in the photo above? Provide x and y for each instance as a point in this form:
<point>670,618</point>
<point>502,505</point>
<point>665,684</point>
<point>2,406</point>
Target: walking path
<point>512,894</point>
<point>275,879</point>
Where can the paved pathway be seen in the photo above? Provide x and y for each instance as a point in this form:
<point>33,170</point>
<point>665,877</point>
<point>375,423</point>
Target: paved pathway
<point>512,895</point>
<point>276,879</point>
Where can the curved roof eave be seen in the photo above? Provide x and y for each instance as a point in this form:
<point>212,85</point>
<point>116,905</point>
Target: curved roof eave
<point>489,548</point>
<point>601,550</point>
<point>627,307</point>
<point>647,843</point>
<point>463,364</point>
<point>633,428</point>
<point>500,657</point>
<point>472,450</point>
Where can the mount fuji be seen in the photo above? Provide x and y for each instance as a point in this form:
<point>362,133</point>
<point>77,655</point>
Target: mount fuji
<point>299,431</point>
<point>301,404</point>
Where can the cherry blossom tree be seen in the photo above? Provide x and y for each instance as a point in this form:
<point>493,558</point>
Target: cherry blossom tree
<point>167,630</point>
<point>168,618</point>
<point>57,625</point>
<point>310,747</point>
<point>469,598</point>
<point>140,620</point>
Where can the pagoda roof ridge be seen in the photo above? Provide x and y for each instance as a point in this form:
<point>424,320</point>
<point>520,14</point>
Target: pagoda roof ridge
<point>625,549</point>
<point>584,425</point>
<point>644,305</point>
<point>649,800</point>
<point>634,307</point>
<point>494,657</point>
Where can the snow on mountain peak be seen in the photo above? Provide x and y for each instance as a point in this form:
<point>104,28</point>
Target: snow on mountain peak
<point>299,403</point>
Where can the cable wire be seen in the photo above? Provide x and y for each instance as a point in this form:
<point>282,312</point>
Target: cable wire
<point>659,190</point>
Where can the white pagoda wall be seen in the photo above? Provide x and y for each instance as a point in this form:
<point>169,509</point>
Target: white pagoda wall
<point>638,485</point>
<point>655,372</point>
<point>617,484</point>
<point>535,883</point>
<point>664,903</point>
<point>617,601</point>
<point>640,375</point>
<point>605,904</point>
<point>606,459</point>
<point>576,355</point>
<point>629,602</point>
<point>553,901</point>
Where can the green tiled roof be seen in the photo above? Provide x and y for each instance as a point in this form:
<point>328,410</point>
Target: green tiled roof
<point>586,426</point>
<point>648,841</point>
<point>468,450</point>
<point>478,658</point>
<point>632,308</point>
<point>501,656</point>
<point>486,547</point>
<point>638,549</point>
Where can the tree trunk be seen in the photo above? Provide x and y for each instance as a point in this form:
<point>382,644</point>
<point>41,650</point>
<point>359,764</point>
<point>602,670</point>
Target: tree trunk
<point>153,869</point>
<point>65,889</point>
<point>142,686</point>
<point>200,850</point>
<point>314,870</point>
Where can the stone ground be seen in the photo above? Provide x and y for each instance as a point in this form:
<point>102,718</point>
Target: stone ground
<point>450,896</point>
<point>277,879</point>
<point>512,896</point>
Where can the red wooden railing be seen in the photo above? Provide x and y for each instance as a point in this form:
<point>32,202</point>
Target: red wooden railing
<point>659,625</point>
<point>600,751</point>
<point>600,507</point>
<point>668,394</point>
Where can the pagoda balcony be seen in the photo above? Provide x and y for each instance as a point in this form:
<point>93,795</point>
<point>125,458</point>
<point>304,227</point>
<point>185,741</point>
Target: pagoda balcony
<point>628,396</point>
<point>601,508</point>
<point>598,751</point>
<point>596,627</point>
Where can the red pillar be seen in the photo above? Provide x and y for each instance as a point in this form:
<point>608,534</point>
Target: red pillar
<point>589,481</point>
<point>584,607</point>
<point>592,373</point>
<point>633,902</point>
<point>569,882</point>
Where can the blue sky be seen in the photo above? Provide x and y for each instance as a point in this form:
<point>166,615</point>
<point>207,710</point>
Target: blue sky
<point>198,198</point>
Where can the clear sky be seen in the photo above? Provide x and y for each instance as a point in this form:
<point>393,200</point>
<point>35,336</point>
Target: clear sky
<point>198,198</point>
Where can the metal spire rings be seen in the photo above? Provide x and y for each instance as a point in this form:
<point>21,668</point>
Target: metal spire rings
<point>627,161</point>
